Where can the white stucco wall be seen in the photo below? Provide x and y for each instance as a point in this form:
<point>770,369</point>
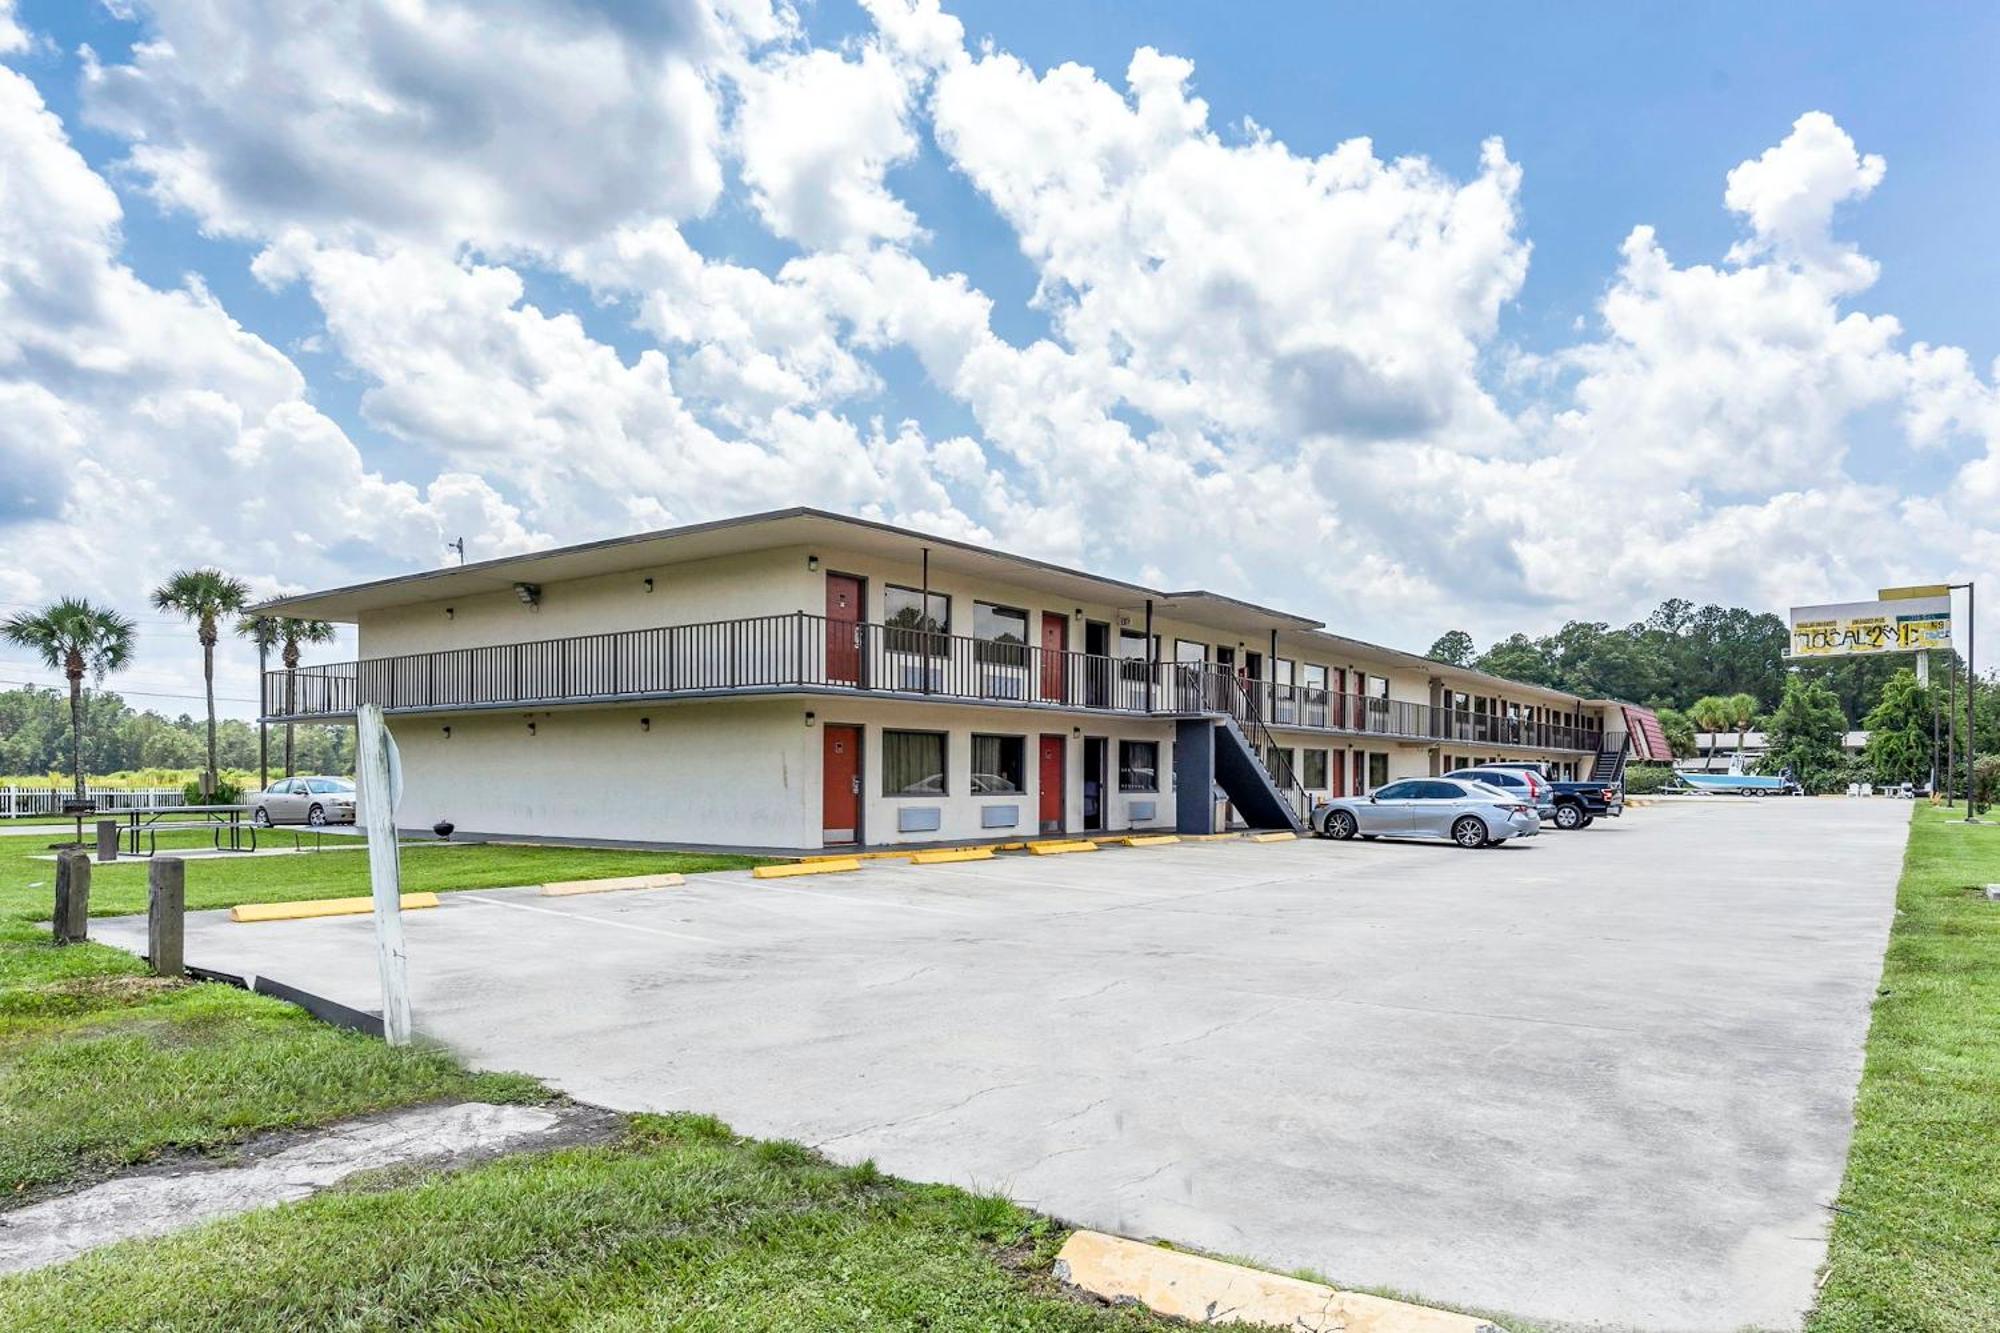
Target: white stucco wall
<point>737,772</point>
<point>959,811</point>
<point>760,583</point>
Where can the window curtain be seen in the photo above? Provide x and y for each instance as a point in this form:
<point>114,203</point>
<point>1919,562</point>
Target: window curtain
<point>912,763</point>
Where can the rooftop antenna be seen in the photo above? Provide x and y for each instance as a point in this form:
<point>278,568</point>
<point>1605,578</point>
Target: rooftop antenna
<point>458,546</point>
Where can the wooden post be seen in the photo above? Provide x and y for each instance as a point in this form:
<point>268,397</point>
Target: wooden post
<point>107,840</point>
<point>166,915</point>
<point>379,777</point>
<point>72,921</point>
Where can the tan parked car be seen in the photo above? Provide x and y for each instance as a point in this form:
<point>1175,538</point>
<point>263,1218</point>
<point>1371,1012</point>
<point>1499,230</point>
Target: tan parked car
<point>305,801</point>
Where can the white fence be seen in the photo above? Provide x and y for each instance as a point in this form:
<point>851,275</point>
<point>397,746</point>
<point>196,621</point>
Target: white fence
<point>49,800</point>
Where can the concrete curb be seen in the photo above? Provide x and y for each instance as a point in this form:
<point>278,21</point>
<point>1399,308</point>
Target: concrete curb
<point>1280,836</point>
<point>1060,847</point>
<point>1208,1291</point>
<point>567,888</point>
<point>793,871</point>
<point>1151,840</point>
<point>312,907</point>
<point>947,855</point>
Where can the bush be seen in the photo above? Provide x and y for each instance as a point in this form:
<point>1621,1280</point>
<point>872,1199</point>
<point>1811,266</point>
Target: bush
<point>226,793</point>
<point>1647,779</point>
<point>1986,780</point>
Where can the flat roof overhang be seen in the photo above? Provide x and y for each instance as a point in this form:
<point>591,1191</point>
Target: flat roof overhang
<point>762,532</point>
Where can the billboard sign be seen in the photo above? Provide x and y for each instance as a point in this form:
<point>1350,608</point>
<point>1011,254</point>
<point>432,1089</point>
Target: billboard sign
<point>1867,629</point>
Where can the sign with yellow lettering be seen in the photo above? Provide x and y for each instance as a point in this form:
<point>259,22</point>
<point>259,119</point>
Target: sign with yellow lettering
<point>1864,629</point>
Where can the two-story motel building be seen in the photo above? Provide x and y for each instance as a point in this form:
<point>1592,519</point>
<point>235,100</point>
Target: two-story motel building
<point>800,679</point>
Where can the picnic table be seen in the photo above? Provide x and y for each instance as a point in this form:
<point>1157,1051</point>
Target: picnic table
<point>225,822</point>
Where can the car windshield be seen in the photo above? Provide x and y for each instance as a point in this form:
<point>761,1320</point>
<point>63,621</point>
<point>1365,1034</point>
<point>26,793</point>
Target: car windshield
<point>330,785</point>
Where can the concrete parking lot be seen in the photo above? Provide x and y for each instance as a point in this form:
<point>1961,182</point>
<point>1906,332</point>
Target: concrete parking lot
<point>1598,1078</point>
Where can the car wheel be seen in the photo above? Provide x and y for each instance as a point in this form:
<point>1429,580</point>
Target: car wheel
<point>262,819</point>
<point>1588,820</point>
<point>1570,816</point>
<point>316,815</point>
<point>1340,825</point>
<point>1469,831</point>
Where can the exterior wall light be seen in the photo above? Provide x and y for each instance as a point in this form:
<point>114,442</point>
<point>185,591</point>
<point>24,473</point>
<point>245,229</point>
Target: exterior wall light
<point>811,718</point>
<point>649,585</point>
<point>1079,613</point>
<point>812,564</point>
<point>645,724</point>
<point>529,593</point>
<point>451,613</point>
<point>531,728</point>
<point>447,733</point>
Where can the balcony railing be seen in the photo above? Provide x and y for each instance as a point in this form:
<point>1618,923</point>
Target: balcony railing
<point>803,652</point>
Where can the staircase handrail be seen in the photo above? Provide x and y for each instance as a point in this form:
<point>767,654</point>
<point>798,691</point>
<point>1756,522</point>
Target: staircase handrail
<point>1289,783</point>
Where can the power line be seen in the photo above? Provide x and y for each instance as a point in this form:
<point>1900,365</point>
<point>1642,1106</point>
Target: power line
<point>137,694</point>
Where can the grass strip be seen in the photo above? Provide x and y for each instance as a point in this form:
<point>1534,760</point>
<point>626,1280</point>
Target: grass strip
<point>1916,1233</point>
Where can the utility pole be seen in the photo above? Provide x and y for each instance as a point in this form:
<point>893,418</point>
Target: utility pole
<point>458,546</point>
<point>1951,735</point>
<point>1971,631</point>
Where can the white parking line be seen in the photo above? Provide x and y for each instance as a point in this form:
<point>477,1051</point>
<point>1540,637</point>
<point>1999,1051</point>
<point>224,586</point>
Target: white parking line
<point>586,918</point>
<point>763,887</point>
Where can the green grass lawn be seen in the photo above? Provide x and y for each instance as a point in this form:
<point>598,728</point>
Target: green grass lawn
<point>680,1226</point>
<point>100,1069</point>
<point>1916,1240</point>
<point>27,885</point>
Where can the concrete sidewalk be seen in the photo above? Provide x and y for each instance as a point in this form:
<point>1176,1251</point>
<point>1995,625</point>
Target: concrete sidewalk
<point>1600,1077</point>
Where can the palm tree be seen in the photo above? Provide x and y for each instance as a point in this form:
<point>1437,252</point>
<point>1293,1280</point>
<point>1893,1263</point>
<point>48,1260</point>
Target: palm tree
<point>204,596</point>
<point>1711,714</point>
<point>265,632</point>
<point>293,633</point>
<point>74,637</point>
<point>1742,716</point>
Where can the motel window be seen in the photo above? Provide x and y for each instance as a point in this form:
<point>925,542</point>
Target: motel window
<point>1315,770</point>
<point>999,765</point>
<point>1278,763</point>
<point>1132,645</point>
<point>1002,632</point>
<point>1138,766</point>
<point>910,629</point>
<point>1187,651</point>
<point>1133,654</point>
<point>1378,770</point>
<point>1379,686</point>
<point>913,763</point>
<point>1313,676</point>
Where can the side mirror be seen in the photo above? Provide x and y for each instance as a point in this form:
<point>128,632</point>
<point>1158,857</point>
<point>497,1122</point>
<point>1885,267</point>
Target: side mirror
<point>1373,798</point>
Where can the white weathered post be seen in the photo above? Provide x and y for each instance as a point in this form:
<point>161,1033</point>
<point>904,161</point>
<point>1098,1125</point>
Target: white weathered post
<point>381,787</point>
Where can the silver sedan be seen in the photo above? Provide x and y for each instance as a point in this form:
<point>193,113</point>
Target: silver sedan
<point>1470,814</point>
<point>318,800</point>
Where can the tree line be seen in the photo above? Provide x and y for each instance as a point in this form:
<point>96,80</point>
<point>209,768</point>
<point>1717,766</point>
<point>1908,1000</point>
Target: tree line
<point>1723,669</point>
<point>117,738</point>
<point>81,640</point>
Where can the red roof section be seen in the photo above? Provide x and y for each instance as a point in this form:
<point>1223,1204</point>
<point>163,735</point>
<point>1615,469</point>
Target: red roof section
<point>1649,738</point>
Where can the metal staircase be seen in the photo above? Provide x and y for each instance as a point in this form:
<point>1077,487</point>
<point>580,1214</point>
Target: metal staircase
<point>1266,800</point>
<point>1609,766</point>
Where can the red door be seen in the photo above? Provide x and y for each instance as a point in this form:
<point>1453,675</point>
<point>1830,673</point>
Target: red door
<point>843,629</point>
<point>1337,715</point>
<point>1052,788</point>
<point>840,786</point>
<point>1055,662</point>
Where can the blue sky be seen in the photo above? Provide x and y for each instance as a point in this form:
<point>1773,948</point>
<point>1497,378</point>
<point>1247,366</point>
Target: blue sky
<point>808,270</point>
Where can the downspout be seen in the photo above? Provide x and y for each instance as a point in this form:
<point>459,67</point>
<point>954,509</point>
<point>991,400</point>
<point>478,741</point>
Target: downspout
<point>924,619</point>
